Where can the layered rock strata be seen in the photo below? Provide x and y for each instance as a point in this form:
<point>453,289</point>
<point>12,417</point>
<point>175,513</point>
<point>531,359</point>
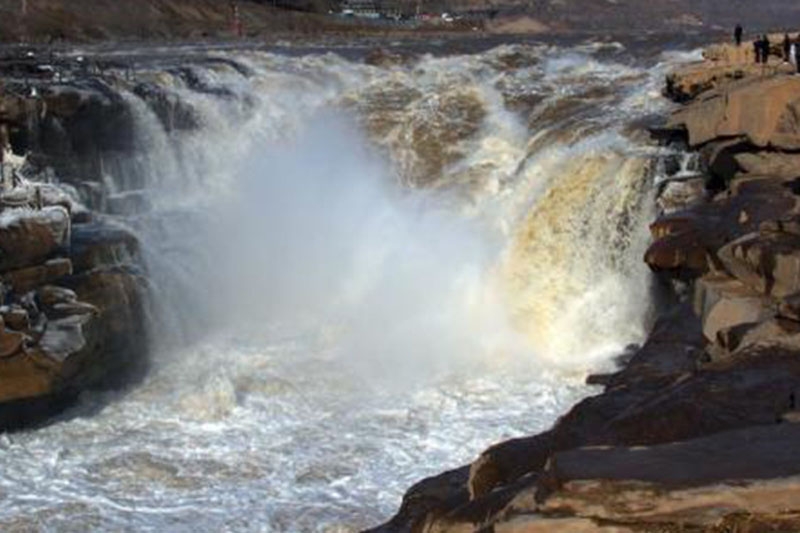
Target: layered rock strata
<point>74,292</point>
<point>698,430</point>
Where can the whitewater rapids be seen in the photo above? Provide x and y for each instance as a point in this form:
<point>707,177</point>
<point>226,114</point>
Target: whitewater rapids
<point>363,275</point>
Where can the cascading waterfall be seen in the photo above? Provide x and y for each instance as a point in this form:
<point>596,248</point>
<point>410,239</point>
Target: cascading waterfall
<point>365,274</point>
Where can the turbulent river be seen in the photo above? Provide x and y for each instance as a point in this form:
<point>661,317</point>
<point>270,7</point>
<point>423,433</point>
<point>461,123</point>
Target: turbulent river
<point>363,274</point>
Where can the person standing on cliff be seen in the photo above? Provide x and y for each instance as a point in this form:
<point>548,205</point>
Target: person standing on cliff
<point>787,47</point>
<point>757,49</point>
<point>737,35</point>
<point>796,48</point>
<point>765,45</point>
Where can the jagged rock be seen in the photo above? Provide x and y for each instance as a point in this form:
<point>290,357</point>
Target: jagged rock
<point>27,375</point>
<point>102,243</point>
<point>94,343</point>
<point>682,253</point>
<point>723,64</point>
<point>174,112</point>
<point>27,237</point>
<point>16,318</point>
<point>747,473</point>
<point>789,307</point>
<point>428,497</point>
<point>772,332</point>
<point>768,263</point>
<point>686,243</point>
<point>63,338</point>
<point>738,111</point>
<point>753,389</point>
<point>681,194</point>
<point>775,164</point>
<point>10,342</point>
<point>50,295</point>
<point>671,351</point>
<point>27,279</point>
<point>730,312</point>
<point>116,339</point>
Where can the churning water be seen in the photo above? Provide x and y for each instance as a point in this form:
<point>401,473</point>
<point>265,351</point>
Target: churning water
<point>364,275</point>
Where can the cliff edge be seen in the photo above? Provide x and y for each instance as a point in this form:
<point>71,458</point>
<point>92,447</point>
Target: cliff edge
<point>697,431</point>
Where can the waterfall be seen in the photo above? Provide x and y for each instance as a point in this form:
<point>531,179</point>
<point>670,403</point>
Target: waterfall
<point>364,274</point>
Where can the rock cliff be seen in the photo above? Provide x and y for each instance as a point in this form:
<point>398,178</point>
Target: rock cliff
<point>697,431</point>
<point>72,282</point>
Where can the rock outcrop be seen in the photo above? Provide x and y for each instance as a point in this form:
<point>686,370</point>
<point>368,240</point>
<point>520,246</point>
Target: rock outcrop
<point>697,431</point>
<point>73,312</point>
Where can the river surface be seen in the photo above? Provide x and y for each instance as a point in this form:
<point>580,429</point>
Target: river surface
<point>363,274</point>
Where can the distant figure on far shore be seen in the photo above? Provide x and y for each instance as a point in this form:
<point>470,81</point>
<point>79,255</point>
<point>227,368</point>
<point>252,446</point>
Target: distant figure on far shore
<point>757,49</point>
<point>737,35</point>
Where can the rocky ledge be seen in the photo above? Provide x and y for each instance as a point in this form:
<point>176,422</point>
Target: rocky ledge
<point>698,430</point>
<point>73,290</point>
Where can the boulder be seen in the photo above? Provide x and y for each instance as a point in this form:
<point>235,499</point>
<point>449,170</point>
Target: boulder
<point>677,195</point>
<point>672,350</point>
<point>26,375</point>
<point>682,254</point>
<point>16,318</point>
<point>50,295</point>
<point>730,312</point>
<point>63,338</point>
<point>686,242</point>
<point>427,498</point>
<point>103,242</point>
<point>744,474</point>
<point>779,165</point>
<point>28,237</point>
<point>116,339</point>
<point>789,307</point>
<point>763,111</point>
<point>27,279</point>
<point>771,332</point>
<point>11,342</point>
<point>769,263</point>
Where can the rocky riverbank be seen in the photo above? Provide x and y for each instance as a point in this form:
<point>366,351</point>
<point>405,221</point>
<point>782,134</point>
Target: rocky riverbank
<point>696,431</point>
<point>72,280</point>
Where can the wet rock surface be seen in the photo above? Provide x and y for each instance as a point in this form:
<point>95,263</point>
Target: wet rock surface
<point>74,292</point>
<point>696,432</point>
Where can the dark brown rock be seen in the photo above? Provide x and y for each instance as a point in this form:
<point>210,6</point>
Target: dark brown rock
<point>26,375</point>
<point>752,471</point>
<point>102,243</point>
<point>28,237</point>
<point>27,279</point>
<point>16,318</point>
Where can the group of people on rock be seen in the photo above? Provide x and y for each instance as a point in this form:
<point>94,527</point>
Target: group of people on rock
<point>761,47</point>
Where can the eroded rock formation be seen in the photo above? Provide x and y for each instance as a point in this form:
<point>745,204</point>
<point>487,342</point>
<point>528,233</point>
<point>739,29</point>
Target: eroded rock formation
<point>73,309</point>
<point>698,430</point>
